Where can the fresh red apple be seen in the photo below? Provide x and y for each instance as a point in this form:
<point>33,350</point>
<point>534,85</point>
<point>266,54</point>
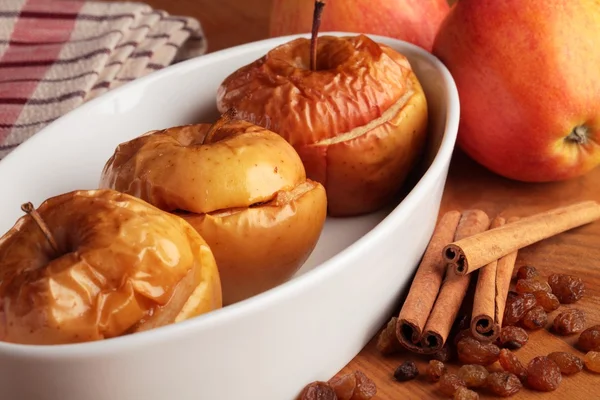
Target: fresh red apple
<point>95,264</point>
<point>527,76</point>
<point>243,188</point>
<point>353,109</point>
<point>414,21</point>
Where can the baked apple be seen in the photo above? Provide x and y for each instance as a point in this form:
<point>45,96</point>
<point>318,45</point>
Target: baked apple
<point>352,108</point>
<point>91,265</point>
<point>242,187</point>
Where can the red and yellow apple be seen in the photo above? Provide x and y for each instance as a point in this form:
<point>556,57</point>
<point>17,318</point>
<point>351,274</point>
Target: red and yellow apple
<point>358,119</point>
<point>414,21</point>
<point>96,264</point>
<point>243,188</point>
<point>527,76</point>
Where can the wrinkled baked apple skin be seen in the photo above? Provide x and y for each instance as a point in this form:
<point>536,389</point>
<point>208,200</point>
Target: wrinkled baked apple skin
<point>359,122</point>
<point>262,247</point>
<point>245,191</point>
<point>123,266</point>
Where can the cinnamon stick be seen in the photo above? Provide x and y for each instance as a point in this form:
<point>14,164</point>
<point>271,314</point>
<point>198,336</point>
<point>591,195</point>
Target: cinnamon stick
<point>454,287</point>
<point>484,326</point>
<point>471,253</point>
<point>504,272</point>
<point>426,285</point>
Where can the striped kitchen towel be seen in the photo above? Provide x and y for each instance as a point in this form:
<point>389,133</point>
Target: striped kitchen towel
<point>58,54</point>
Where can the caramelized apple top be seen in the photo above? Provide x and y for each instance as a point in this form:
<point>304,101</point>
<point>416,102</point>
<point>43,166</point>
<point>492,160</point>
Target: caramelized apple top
<point>356,81</point>
<point>122,264</point>
<point>242,165</point>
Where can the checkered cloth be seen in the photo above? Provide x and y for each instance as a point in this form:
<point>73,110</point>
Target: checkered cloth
<point>56,55</point>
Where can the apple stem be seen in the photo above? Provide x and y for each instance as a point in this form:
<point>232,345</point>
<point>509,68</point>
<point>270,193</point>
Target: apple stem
<point>579,135</point>
<point>30,210</point>
<point>319,4</point>
<point>223,119</point>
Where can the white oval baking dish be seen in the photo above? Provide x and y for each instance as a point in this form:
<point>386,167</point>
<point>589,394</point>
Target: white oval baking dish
<point>269,346</point>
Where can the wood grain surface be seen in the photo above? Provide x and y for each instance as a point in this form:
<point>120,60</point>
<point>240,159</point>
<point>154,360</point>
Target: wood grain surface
<point>231,22</point>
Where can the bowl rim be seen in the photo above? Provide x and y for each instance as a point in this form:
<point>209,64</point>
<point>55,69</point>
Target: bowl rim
<point>289,288</point>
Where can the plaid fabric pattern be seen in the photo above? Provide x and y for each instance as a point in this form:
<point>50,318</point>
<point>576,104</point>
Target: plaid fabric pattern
<point>58,54</point>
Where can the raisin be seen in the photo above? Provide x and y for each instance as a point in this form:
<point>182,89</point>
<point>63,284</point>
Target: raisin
<point>568,363</point>
<point>535,319</point>
<point>513,337</point>
<point>527,272</point>
<point>318,391</point>
<point>463,393</point>
<point>531,285</point>
<point>513,311</point>
<point>592,361</point>
<point>589,339</point>
<point>435,370</point>
<point>344,386</point>
<point>472,351</point>
<point>529,301</point>
<point>406,371</point>
<point>387,342</point>
<point>567,288</point>
<point>543,374</point>
<point>461,335</point>
<point>443,355</point>
<point>353,386</point>
<point>365,387</point>
<point>449,383</point>
<point>503,384</point>
<point>510,363</point>
<point>473,375</point>
<point>547,300</point>
<point>569,321</point>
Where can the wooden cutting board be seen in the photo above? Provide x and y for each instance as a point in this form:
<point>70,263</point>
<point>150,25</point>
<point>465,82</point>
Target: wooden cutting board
<point>228,23</point>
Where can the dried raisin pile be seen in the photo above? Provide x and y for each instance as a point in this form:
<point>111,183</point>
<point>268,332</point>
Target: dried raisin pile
<point>435,370</point>
<point>531,285</point>
<point>567,288</point>
<point>592,361</point>
<point>503,384</point>
<point>473,375</point>
<point>543,374</point>
<point>547,300</point>
<point>318,391</point>
<point>568,363</point>
<point>535,319</point>
<point>406,371</point>
<point>510,363</point>
<point>513,337</point>
<point>527,272</point>
<point>472,351</point>
<point>589,339</point>
<point>462,393</point>
<point>449,384</point>
<point>529,301</point>
<point>569,321</point>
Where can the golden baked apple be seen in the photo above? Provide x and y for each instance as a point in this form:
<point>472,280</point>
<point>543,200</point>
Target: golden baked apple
<point>242,187</point>
<point>352,108</point>
<point>91,265</point>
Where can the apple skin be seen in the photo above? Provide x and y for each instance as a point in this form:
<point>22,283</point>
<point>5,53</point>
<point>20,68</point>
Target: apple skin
<point>244,191</point>
<point>124,266</point>
<point>359,122</point>
<point>414,21</point>
<point>527,76</point>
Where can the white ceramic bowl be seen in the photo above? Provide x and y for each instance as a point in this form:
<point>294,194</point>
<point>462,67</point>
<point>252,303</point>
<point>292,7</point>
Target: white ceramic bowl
<point>269,346</point>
